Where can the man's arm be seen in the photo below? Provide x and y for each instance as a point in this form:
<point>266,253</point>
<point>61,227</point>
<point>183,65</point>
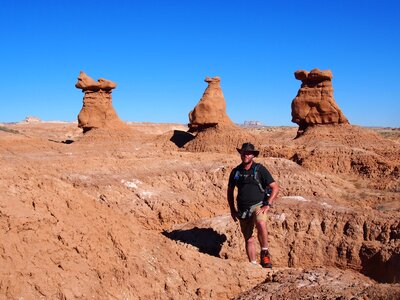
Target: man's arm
<point>269,182</point>
<point>231,202</point>
<point>275,189</point>
<point>274,192</point>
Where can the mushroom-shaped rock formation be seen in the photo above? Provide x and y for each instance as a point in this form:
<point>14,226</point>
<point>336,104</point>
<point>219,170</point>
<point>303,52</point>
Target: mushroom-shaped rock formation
<point>97,110</point>
<point>214,130</point>
<point>211,109</point>
<point>314,103</point>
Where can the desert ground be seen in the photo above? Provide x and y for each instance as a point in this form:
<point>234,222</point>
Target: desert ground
<point>142,213</point>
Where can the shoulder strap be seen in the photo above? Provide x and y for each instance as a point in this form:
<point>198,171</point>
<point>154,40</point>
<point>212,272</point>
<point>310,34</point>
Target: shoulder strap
<point>255,169</point>
<point>237,173</point>
<point>256,177</point>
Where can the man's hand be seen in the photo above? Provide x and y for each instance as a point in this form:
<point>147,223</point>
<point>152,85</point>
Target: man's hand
<point>263,210</point>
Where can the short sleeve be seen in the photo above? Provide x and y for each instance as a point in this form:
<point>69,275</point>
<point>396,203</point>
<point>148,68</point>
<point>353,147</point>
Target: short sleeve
<point>266,176</point>
<point>231,182</point>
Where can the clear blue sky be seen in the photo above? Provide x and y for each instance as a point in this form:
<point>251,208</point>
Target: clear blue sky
<point>159,52</point>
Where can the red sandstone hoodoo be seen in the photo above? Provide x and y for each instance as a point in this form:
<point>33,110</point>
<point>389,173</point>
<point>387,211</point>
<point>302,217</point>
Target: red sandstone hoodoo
<point>210,111</point>
<point>314,103</point>
<point>215,131</point>
<point>97,111</point>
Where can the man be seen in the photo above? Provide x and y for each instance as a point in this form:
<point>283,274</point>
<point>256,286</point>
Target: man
<point>257,191</point>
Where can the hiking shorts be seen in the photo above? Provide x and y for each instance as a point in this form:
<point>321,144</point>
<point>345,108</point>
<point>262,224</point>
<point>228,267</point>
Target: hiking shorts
<point>247,225</point>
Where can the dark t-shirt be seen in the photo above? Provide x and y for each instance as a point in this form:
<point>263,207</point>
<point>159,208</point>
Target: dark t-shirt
<point>249,192</point>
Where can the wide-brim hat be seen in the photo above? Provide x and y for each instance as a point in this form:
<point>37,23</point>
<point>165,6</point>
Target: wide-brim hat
<point>248,147</point>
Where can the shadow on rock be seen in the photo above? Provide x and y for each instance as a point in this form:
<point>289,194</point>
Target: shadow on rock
<point>381,265</point>
<point>62,142</point>
<point>205,239</point>
<point>180,138</point>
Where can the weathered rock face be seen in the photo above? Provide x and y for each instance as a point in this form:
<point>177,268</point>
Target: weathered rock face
<point>97,110</point>
<point>211,109</point>
<point>220,140</point>
<point>128,219</point>
<point>314,103</point>
<point>347,150</point>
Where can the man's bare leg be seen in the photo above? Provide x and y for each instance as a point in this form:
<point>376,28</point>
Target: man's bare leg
<point>262,234</point>
<point>251,249</point>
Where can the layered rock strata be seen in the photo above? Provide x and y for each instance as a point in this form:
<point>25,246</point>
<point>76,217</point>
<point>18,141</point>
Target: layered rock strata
<point>314,103</point>
<point>97,111</point>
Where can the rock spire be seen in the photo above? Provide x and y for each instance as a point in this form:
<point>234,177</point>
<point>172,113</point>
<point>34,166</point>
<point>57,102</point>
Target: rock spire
<point>210,111</point>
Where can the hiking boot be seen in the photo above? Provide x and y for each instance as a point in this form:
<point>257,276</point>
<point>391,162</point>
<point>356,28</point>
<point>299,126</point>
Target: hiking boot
<point>265,259</point>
